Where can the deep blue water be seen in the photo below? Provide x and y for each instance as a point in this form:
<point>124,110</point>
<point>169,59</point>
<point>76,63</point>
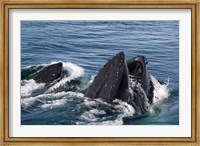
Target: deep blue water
<point>84,47</point>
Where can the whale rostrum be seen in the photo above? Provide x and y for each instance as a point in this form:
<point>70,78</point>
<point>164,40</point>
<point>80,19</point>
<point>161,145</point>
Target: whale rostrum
<point>48,74</point>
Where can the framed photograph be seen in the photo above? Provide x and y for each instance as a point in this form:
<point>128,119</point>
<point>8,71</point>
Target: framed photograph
<point>105,72</point>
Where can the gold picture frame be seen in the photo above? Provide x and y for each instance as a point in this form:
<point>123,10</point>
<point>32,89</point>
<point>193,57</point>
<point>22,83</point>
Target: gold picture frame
<point>119,4</point>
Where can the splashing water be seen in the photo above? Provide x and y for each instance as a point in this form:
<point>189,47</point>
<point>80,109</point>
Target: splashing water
<point>161,92</point>
<point>29,86</point>
<point>101,116</point>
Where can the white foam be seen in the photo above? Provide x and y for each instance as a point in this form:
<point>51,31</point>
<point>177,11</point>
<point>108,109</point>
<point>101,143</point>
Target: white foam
<point>88,116</point>
<point>92,115</point>
<point>98,112</point>
<point>125,109</point>
<point>74,72</point>
<point>28,86</point>
<point>160,91</point>
<point>49,100</point>
<point>70,93</point>
<point>92,118</point>
<point>53,104</point>
<point>90,102</point>
<point>27,102</point>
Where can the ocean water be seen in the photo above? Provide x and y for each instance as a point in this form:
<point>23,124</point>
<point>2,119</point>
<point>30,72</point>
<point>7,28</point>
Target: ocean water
<point>84,47</point>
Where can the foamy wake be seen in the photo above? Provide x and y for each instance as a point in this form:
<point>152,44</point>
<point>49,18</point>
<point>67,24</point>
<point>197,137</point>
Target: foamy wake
<point>126,110</point>
<point>160,91</point>
<point>29,86</point>
<point>97,116</point>
<point>51,100</point>
<point>74,72</point>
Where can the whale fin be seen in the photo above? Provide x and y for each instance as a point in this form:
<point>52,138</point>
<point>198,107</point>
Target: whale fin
<point>109,79</point>
<point>48,74</point>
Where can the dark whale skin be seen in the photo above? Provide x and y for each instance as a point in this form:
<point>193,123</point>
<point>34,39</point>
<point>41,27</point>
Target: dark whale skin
<point>107,82</point>
<point>49,73</point>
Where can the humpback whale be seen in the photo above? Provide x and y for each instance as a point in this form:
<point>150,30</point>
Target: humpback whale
<point>128,81</point>
<point>44,77</point>
<point>48,74</point>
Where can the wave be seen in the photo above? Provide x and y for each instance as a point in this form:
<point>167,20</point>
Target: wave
<point>29,86</point>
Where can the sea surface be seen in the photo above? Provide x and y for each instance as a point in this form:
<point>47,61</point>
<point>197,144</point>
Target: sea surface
<point>84,47</point>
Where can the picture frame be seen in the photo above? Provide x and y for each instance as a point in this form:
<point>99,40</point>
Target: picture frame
<point>7,5</point>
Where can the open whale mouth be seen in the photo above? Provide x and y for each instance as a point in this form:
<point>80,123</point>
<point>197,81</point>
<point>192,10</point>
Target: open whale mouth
<point>136,67</point>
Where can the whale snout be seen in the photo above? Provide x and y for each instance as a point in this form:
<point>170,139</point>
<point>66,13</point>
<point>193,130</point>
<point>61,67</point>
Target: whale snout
<point>120,55</point>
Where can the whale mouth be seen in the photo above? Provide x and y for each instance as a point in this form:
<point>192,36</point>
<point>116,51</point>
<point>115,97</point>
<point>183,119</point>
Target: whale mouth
<point>136,72</point>
<point>136,67</point>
